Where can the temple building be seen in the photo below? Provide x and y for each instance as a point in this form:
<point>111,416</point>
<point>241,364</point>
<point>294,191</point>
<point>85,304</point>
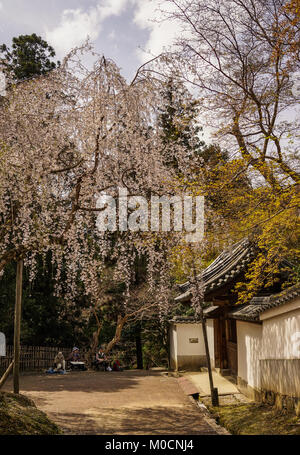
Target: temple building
<point>258,343</point>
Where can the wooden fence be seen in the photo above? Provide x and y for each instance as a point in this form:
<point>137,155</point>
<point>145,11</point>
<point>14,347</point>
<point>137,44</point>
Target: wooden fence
<point>33,357</point>
<point>37,358</point>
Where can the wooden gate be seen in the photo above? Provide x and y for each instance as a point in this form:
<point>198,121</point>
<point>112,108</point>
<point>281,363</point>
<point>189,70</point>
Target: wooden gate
<point>232,357</point>
<point>231,336</point>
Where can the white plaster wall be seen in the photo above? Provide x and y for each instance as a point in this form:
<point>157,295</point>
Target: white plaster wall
<point>249,338</point>
<point>187,331</point>
<point>280,358</point>
<point>184,333</point>
<point>173,342</point>
<point>281,336</point>
<point>277,339</point>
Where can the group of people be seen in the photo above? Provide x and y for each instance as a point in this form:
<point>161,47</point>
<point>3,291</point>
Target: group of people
<point>75,361</point>
<point>59,364</point>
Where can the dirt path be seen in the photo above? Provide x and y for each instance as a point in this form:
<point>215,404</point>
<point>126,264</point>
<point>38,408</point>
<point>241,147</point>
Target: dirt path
<point>129,402</point>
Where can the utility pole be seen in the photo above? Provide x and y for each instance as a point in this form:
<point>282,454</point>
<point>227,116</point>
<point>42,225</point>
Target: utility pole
<point>17,326</point>
<point>213,390</point>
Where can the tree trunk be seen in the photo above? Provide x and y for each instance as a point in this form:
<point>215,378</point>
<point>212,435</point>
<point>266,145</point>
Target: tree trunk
<point>120,324</point>
<point>138,344</point>
<point>6,374</point>
<point>95,339</point>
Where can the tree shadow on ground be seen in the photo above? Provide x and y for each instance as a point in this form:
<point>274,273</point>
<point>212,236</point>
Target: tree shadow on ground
<point>149,421</point>
<point>82,381</point>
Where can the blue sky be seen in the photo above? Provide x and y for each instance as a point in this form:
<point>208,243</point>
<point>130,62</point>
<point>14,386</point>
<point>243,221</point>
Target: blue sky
<point>124,30</point>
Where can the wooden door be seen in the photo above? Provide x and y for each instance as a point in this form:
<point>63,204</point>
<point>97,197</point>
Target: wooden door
<point>220,343</point>
<point>231,342</point>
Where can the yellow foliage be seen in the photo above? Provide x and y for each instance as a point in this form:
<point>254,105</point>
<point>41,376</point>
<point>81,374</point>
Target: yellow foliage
<point>237,208</point>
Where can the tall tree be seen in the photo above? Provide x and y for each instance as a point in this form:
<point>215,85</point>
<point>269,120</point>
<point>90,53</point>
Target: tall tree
<point>29,56</point>
<point>65,139</point>
<point>234,53</point>
<point>46,318</point>
<point>240,56</point>
<point>178,119</point>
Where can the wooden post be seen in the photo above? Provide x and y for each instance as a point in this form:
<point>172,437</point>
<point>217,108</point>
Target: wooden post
<point>6,374</point>
<point>17,326</point>
<point>213,390</point>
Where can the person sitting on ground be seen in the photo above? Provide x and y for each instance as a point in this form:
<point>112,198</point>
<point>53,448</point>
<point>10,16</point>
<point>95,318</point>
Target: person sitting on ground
<point>117,366</point>
<point>75,362</point>
<point>74,356</point>
<point>59,362</point>
<point>101,358</point>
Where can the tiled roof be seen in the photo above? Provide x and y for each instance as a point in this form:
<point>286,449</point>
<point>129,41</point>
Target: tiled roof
<point>192,319</point>
<point>185,320</point>
<point>252,310</point>
<point>223,269</point>
<point>211,310</point>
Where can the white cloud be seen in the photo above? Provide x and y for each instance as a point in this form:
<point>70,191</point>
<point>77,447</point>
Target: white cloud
<point>162,33</point>
<point>1,5</point>
<point>109,8</point>
<point>76,25</point>
<point>112,35</point>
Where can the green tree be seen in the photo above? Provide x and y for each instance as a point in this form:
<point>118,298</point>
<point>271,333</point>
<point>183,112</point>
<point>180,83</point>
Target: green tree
<point>178,119</point>
<point>179,123</point>
<point>46,319</point>
<point>30,56</point>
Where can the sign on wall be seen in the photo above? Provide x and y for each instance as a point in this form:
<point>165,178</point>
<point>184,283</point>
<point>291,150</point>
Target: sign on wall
<point>2,345</point>
<point>194,340</point>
